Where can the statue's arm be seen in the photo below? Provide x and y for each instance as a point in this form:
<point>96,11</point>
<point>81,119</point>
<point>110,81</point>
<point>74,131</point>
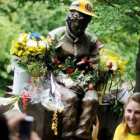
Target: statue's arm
<point>94,56</point>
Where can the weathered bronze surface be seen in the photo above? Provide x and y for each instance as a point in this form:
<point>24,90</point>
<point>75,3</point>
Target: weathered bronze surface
<point>43,119</point>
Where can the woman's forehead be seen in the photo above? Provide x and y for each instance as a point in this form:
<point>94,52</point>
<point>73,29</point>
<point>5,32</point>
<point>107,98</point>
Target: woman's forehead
<point>133,105</point>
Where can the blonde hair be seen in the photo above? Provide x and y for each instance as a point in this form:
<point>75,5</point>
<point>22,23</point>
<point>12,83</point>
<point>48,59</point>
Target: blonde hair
<point>135,98</point>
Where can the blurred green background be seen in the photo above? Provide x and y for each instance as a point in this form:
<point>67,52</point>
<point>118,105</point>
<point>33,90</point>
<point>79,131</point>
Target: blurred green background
<point>114,27</point>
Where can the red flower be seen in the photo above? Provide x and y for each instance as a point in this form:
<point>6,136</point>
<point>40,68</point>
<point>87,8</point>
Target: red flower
<point>37,89</point>
<point>110,64</point>
<point>31,81</point>
<point>85,60</point>
<point>68,71</point>
<point>25,100</point>
<point>56,62</point>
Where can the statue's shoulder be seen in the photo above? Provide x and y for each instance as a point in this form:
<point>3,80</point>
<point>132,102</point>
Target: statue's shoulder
<point>90,36</point>
<point>57,31</point>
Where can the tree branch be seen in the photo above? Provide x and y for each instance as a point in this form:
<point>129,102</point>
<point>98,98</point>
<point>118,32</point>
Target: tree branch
<point>106,2</point>
<point>132,15</point>
<point>109,3</point>
<point>137,88</point>
<point>136,12</point>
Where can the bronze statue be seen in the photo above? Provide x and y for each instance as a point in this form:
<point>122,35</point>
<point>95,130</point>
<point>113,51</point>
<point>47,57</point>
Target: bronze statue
<point>80,110</point>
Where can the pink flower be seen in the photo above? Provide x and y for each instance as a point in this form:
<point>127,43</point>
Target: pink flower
<point>100,45</point>
<point>90,65</point>
<point>90,86</point>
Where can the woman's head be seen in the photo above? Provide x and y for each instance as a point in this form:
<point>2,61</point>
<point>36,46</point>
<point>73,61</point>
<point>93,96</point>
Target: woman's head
<point>132,114</point>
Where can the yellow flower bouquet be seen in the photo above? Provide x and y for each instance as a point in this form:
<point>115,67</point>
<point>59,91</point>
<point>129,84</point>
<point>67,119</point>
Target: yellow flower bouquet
<point>32,55</point>
<point>29,52</point>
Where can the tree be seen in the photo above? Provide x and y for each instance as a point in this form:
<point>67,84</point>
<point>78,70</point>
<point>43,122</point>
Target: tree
<point>118,17</point>
<point>7,30</point>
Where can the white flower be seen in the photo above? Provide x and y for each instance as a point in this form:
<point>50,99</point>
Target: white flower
<point>42,43</point>
<point>31,43</point>
<point>20,39</point>
<point>28,37</point>
<point>6,101</point>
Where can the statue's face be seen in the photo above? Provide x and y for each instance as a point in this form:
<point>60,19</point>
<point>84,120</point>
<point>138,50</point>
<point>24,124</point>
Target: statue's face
<point>78,27</point>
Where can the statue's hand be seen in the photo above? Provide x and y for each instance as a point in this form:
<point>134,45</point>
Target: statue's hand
<point>78,89</point>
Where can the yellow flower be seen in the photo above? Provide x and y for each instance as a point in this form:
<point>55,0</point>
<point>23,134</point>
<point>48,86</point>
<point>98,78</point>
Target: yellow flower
<point>55,123</point>
<point>27,52</point>
<point>33,54</point>
<point>24,43</point>
<point>25,48</point>
<point>114,72</point>
<point>59,110</point>
<point>105,68</point>
<point>48,40</point>
<point>30,49</point>
<point>20,52</point>
<point>59,66</point>
<point>55,133</point>
<point>33,38</point>
<point>24,53</point>
<point>42,38</point>
<point>16,44</point>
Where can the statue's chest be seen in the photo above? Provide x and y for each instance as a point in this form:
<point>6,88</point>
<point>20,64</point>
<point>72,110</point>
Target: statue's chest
<point>75,50</point>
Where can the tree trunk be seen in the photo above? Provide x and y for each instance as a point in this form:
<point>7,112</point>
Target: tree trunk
<point>137,88</point>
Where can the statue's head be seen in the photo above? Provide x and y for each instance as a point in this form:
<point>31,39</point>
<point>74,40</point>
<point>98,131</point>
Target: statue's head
<point>79,15</point>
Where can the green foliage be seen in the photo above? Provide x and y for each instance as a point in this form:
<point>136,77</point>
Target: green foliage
<point>51,2</point>
<point>119,16</point>
<point>35,17</point>
<point>8,32</point>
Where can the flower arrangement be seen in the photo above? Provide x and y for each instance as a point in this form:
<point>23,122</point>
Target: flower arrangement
<point>114,64</point>
<point>102,76</point>
<point>30,50</point>
<point>112,67</point>
<point>72,75</point>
